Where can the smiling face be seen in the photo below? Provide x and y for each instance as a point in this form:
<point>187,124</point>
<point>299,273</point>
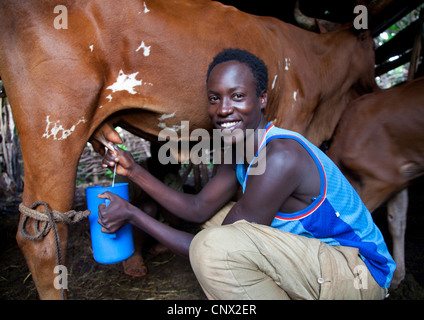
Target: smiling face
<point>232,100</point>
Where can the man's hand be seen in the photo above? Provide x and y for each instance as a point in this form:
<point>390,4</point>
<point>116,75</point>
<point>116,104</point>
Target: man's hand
<point>105,136</point>
<point>115,215</point>
<point>124,161</point>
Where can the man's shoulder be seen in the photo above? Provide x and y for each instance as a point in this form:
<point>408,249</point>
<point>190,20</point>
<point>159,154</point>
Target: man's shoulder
<point>286,148</point>
<point>283,154</point>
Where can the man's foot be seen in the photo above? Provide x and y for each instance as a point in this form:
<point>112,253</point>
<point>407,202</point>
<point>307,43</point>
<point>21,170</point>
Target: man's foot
<point>134,266</point>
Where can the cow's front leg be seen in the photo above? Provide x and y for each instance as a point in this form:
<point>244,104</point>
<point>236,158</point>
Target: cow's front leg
<point>396,215</point>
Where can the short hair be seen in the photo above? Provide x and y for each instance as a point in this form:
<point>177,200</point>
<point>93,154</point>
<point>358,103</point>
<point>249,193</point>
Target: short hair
<point>256,65</point>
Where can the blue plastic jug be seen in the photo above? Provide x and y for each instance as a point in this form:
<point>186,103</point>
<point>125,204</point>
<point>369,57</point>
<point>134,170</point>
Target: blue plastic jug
<point>108,248</point>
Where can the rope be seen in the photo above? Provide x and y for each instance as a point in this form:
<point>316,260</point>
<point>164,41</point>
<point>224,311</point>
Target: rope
<point>45,217</point>
<point>48,219</point>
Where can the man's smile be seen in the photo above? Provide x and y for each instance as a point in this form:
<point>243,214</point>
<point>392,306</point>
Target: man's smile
<point>229,124</point>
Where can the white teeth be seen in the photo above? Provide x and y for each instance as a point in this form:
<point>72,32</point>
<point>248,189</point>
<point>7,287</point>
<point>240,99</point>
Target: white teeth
<point>229,124</point>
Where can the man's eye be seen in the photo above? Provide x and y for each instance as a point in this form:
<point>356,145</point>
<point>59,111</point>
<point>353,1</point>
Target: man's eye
<point>213,99</point>
<point>238,96</point>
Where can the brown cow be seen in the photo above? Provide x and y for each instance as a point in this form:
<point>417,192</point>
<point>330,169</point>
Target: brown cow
<point>379,146</point>
<point>72,69</point>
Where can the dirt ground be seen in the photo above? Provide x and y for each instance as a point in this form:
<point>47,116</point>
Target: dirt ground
<point>170,277</point>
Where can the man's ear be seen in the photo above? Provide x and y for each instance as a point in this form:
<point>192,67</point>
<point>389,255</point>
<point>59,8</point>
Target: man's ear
<point>263,99</point>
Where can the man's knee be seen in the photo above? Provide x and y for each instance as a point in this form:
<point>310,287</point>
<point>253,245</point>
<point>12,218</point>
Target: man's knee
<point>210,247</point>
<point>228,265</point>
<point>210,251</point>
<point>203,246</point>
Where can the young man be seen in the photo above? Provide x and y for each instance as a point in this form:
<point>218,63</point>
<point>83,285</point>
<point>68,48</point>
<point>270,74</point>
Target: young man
<point>299,231</point>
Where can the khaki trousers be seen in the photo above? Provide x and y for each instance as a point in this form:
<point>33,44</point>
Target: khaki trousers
<point>252,261</point>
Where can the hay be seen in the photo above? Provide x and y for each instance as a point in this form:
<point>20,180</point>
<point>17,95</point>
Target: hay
<point>169,276</point>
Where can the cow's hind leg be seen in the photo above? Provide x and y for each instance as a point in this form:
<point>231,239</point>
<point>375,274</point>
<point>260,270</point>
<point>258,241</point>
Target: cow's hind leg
<point>50,172</point>
<point>42,259</point>
<point>396,215</point>
<point>53,111</point>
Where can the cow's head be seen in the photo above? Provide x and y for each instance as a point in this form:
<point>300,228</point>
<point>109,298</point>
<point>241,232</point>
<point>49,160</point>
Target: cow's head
<point>364,51</point>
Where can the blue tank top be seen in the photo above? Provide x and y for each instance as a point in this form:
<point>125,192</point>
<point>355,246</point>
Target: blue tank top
<point>337,216</point>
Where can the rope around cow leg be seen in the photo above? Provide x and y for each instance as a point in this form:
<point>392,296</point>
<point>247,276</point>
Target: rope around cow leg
<point>69,217</point>
<point>48,219</point>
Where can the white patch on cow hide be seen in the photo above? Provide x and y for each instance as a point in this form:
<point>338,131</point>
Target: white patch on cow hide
<point>275,79</point>
<point>166,116</point>
<point>92,47</point>
<point>145,8</point>
<point>109,97</point>
<point>146,49</point>
<point>56,130</point>
<point>125,82</point>
<point>175,128</point>
<point>295,94</point>
<point>287,63</point>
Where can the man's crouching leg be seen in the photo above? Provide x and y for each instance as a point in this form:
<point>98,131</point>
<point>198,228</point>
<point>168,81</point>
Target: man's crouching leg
<point>228,265</point>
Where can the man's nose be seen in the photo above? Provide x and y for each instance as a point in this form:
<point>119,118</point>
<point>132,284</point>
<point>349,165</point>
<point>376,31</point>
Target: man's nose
<point>226,108</point>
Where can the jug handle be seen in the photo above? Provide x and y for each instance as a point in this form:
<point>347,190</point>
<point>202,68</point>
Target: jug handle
<point>110,235</point>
